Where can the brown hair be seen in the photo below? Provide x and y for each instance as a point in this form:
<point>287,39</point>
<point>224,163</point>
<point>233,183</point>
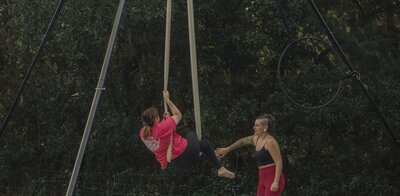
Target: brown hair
<point>149,117</point>
<point>267,119</point>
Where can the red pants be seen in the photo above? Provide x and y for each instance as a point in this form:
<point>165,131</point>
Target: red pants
<point>266,178</point>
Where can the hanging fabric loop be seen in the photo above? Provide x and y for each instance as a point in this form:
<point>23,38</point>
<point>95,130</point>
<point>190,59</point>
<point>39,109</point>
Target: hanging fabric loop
<point>167,47</point>
<point>166,65</point>
<point>193,62</point>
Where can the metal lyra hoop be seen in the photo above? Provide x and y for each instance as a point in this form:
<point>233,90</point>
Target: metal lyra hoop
<point>280,66</point>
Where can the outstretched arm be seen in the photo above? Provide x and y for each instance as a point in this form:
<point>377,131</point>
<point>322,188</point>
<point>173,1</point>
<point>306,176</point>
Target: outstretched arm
<point>241,142</point>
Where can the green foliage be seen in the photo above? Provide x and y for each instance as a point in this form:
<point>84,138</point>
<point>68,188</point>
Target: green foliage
<point>341,149</point>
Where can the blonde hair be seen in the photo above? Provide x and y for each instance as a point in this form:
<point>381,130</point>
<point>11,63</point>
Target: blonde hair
<point>267,119</point>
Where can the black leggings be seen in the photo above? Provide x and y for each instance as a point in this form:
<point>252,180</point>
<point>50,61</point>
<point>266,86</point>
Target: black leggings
<point>190,156</point>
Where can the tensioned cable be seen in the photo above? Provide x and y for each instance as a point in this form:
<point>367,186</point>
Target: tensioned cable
<point>193,63</point>
<point>28,74</point>
<point>95,101</point>
<point>361,84</point>
<point>347,62</point>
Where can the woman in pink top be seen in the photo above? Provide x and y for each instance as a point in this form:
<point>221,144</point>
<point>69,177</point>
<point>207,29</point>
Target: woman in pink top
<point>156,135</point>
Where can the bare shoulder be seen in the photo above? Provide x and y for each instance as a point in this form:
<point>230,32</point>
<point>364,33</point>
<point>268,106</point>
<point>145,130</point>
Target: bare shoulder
<point>271,141</point>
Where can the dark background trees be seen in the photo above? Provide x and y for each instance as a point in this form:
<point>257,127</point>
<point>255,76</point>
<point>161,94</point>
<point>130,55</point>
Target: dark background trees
<point>341,149</point>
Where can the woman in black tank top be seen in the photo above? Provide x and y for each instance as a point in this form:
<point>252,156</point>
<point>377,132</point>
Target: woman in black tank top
<point>263,157</point>
<point>267,155</point>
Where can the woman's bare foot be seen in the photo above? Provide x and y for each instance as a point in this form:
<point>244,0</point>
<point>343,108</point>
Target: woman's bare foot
<point>223,172</point>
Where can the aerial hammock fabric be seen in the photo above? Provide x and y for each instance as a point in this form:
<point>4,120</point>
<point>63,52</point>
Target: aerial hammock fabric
<point>193,62</point>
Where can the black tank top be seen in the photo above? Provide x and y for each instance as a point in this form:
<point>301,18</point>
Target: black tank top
<point>263,157</point>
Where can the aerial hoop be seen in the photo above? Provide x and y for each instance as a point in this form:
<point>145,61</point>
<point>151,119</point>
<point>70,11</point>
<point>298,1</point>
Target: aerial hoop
<point>280,68</point>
